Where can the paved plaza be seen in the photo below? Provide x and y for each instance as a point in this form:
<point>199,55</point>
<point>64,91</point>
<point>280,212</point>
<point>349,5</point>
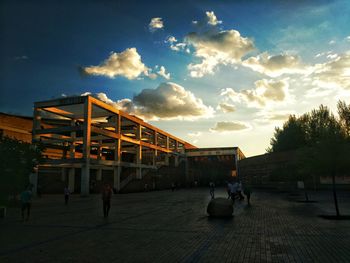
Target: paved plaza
<point>165,226</point>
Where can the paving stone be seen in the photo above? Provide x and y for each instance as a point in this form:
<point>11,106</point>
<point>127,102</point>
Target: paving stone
<point>165,226</point>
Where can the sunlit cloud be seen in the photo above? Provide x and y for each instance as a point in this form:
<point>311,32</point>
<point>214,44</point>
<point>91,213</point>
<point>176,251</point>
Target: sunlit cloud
<point>334,73</point>
<point>155,24</point>
<point>127,64</point>
<point>229,126</point>
<point>275,66</point>
<point>226,107</point>
<point>212,20</point>
<point>162,72</point>
<point>168,101</point>
<point>217,47</point>
<point>266,92</point>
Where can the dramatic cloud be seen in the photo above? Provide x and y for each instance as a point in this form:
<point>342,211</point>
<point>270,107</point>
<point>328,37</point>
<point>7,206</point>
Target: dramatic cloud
<point>212,20</point>
<point>167,101</point>
<point>155,24</point>
<point>217,47</point>
<point>265,92</point>
<point>127,64</point>
<point>229,126</point>
<point>170,101</point>
<point>162,72</point>
<point>226,107</point>
<point>274,66</point>
<point>334,73</point>
<point>177,46</point>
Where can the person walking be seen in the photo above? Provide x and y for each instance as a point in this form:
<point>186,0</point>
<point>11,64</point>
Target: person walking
<point>229,187</point>
<point>239,191</point>
<point>212,189</point>
<point>247,191</point>
<point>106,198</point>
<point>66,195</point>
<point>26,201</point>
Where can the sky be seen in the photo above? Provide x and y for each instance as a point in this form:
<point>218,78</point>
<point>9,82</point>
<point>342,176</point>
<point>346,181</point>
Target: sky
<point>214,73</point>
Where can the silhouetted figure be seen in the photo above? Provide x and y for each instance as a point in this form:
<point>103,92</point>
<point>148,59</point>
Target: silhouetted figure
<point>212,189</point>
<point>106,198</point>
<point>66,195</point>
<point>239,191</point>
<point>26,201</point>
<point>173,187</point>
<point>247,191</point>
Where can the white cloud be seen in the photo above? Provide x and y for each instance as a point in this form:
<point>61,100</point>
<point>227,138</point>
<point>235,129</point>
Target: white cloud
<point>162,72</point>
<point>167,101</point>
<point>226,107</point>
<point>177,46</point>
<point>275,66</point>
<point>217,47</point>
<point>334,73</point>
<point>170,101</point>
<point>155,24</point>
<point>265,93</point>
<point>347,38</point>
<point>194,134</point>
<point>127,64</point>
<point>332,42</point>
<point>229,126</point>
<point>212,20</point>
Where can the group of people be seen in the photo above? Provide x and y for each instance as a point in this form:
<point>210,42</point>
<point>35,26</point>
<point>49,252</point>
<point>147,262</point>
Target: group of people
<point>234,191</point>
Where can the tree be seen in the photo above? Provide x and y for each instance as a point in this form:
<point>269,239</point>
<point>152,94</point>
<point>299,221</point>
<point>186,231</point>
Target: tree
<point>17,160</point>
<point>322,141</point>
<point>292,136</point>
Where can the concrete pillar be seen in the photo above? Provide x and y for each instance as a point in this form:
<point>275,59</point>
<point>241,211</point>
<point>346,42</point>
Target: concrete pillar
<point>85,170</point>
<point>33,180</point>
<point>116,179</point>
<point>176,160</point>
<point>138,172</point>
<point>167,159</point>
<point>36,124</point>
<point>63,174</point>
<point>99,174</point>
<point>71,179</point>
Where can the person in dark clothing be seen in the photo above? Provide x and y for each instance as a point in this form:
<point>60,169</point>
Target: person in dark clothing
<point>106,198</point>
<point>211,189</point>
<point>66,195</point>
<point>247,191</point>
<point>26,199</point>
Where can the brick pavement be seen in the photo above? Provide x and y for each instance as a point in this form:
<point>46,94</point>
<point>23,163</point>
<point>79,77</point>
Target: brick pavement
<point>167,226</point>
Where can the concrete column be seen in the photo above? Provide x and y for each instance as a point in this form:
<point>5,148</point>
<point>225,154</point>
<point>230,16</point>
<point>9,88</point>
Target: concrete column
<point>71,179</point>
<point>85,170</point>
<point>176,161</point>
<point>166,159</point>
<point>33,180</point>
<point>63,174</point>
<point>138,172</point>
<point>116,179</point>
<point>36,124</point>
<point>99,174</point>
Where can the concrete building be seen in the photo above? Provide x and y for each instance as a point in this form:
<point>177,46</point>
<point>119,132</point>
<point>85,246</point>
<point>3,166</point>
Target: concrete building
<point>213,164</point>
<point>88,142</point>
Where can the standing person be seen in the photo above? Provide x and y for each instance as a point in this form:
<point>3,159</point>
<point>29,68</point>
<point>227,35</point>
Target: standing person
<point>247,191</point>
<point>106,198</point>
<point>211,189</point>
<point>239,191</point>
<point>66,195</point>
<point>26,199</point>
<point>229,186</point>
<point>233,190</point>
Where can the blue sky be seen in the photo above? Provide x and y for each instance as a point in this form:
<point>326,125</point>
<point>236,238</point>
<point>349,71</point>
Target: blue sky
<point>215,73</point>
